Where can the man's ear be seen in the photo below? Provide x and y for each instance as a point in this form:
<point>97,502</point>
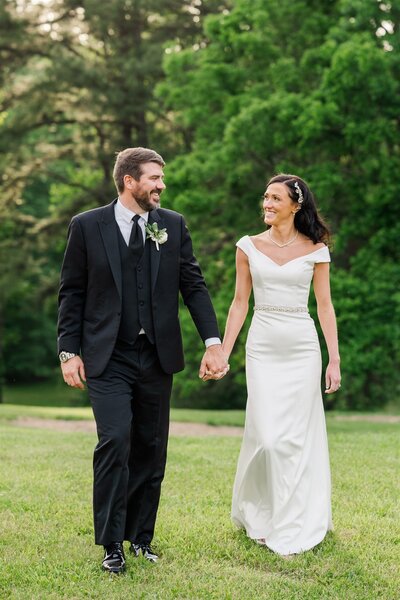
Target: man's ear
<point>129,182</point>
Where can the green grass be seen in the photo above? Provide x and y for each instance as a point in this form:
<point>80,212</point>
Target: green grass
<point>210,417</point>
<point>48,400</point>
<point>57,394</point>
<point>13,411</point>
<point>46,541</point>
<point>185,415</point>
<point>48,393</point>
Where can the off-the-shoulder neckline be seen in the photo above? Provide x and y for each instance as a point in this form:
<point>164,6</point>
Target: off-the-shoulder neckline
<point>288,261</point>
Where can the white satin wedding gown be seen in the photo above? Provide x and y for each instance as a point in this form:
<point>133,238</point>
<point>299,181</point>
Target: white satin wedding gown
<point>282,487</point>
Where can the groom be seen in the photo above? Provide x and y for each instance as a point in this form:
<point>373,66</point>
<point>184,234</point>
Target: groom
<point>118,330</point>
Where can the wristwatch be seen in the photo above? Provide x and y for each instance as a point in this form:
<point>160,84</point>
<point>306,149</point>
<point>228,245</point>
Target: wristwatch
<point>64,356</point>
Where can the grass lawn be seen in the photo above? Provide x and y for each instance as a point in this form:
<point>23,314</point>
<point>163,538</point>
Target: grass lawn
<point>48,393</point>
<point>46,540</point>
<point>236,418</point>
<point>56,400</point>
<point>210,417</point>
<point>56,394</point>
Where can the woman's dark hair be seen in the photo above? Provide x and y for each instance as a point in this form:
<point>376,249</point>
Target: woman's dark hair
<point>307,220</point>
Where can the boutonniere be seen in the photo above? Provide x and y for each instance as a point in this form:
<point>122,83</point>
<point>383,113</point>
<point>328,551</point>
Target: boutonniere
<point>159,236</point>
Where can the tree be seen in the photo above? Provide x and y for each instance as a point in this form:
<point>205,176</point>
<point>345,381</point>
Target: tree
<point>78,85</point>
<point>307,87</point>
<point>298,87</point>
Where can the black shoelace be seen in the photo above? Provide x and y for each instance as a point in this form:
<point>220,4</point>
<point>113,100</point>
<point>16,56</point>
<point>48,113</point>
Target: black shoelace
<point>115,550</point>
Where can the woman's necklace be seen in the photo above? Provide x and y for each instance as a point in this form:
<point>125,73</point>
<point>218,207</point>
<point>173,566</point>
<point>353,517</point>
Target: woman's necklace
<point>282,245</point>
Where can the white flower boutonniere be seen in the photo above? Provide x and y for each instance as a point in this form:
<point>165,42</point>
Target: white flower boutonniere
<point>159,236</point>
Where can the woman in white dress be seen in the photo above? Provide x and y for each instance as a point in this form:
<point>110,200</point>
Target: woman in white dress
<point>281,494</point>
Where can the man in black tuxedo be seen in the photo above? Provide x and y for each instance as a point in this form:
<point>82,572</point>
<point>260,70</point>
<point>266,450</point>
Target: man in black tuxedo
<point>118,330</point>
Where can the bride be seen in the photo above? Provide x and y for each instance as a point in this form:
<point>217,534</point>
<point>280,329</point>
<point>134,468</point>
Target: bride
<point>282,489</point>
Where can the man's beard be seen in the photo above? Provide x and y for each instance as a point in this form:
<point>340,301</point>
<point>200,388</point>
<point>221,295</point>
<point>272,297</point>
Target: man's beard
<point>143,199</point>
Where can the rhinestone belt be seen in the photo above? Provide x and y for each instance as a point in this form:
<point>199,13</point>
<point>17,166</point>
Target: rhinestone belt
<point>274,308</point>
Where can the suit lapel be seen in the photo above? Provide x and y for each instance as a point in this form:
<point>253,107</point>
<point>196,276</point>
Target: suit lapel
<point>109,233</point>
<point>155,254</point>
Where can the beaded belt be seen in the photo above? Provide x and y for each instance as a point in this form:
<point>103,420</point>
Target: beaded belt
<point>274,308</point>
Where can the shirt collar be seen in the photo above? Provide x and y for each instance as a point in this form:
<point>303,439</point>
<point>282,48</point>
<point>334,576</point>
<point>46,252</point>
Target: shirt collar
<point>125,214</point>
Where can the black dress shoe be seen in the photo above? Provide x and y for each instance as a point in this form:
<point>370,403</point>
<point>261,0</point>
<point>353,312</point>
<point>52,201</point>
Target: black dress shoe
<point>114,558</point>
<point>146,550</point>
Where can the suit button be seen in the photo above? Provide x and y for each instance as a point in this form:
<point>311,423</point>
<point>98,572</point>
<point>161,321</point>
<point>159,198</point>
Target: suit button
<point>140,286</point>
<point>139,268</point>
<point>141,303</point>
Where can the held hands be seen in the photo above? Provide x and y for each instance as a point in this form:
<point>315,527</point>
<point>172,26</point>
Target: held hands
<point>214,364</point>
<point>332,377</point>
<point>74,372</point>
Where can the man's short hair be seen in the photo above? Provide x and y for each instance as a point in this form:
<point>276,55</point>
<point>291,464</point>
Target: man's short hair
<point>129,162</point>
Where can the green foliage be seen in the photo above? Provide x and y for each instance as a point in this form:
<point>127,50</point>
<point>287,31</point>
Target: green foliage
<point>78,85</point>
<point>29,346</point>
<point>230,96</point>
<point>314,91</point>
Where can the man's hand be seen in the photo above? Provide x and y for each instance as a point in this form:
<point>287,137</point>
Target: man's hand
<point>214,364</point>
<point>74,372</point>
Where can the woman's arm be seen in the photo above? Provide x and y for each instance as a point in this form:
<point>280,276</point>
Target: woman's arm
<point>240,304</point>
<point>327,319</point>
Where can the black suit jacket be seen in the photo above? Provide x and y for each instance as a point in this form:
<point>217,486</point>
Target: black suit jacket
<point>91,281</point>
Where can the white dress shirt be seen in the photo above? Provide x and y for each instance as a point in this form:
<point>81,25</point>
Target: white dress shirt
<point>124,216</point>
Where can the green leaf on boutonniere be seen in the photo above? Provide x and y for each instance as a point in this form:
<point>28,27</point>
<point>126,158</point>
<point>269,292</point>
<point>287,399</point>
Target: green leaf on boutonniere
<point>158,236</point>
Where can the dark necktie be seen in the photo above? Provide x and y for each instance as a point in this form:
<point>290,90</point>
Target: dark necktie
<point>136,237</point>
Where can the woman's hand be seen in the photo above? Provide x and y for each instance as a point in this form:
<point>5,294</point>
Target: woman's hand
<point>332,377</point>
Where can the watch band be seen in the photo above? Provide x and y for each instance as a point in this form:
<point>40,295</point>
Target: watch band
<point>64,356</point>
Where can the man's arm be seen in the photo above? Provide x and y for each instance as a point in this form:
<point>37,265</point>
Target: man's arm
<point>196,297</point>
<point>71,300</point>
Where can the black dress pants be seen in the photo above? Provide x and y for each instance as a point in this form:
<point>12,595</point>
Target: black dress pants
<point>130,402</point>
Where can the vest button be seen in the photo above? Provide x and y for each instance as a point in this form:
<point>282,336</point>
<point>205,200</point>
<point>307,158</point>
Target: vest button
<point>139,268</point>
<point>140,286</point>
<point>141,303</point>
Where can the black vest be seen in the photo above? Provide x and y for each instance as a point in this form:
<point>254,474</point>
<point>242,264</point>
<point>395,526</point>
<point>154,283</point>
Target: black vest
<point>136,293</point>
